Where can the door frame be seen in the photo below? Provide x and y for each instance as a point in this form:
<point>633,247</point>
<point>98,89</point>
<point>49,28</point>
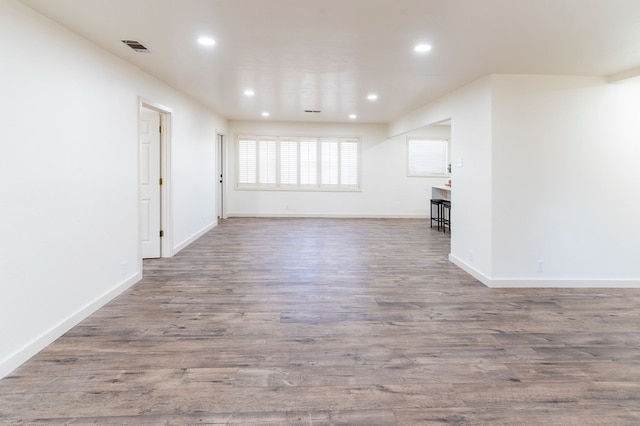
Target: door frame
<point>221,173</point>
<point>166,242</point>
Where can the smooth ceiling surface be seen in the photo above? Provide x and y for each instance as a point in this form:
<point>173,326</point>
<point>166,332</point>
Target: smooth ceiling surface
<point>329,55</point>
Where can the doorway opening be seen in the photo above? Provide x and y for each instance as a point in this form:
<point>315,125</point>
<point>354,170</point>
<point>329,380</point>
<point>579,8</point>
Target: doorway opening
<point>155,236</point>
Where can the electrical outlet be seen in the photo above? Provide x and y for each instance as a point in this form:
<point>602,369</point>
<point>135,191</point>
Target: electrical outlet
<point>539,266</point>
<point>123,268</point>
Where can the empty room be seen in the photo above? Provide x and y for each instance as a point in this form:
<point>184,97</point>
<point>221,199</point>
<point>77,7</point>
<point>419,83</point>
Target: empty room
<point>365,212</point>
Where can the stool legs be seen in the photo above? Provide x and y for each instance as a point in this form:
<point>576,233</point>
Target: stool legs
<point>438,216</point>
<point>442,216</point>
<point>446,216</point>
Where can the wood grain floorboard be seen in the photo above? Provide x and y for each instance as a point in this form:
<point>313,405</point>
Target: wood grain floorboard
<point>335,322</point>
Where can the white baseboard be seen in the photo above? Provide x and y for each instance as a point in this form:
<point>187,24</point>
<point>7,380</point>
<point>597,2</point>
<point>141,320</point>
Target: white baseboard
<point>325,216</point>
<point>562,283</point>
<point>543,283</point>
<point>21,356</point>
<point>194,237</point>
<point>470,270</point>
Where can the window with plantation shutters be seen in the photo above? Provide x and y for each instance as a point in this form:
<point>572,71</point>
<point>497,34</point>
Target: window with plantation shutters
<point>308,162</point>
<point>427,157</point>
<point>267,165</point>
<point>288,162</point>
<point>298,163</point>
<point>348,162</point>
<point>329,159</point>
<point>247,166</point>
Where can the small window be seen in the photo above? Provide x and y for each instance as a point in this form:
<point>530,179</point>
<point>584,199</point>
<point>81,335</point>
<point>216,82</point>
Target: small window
<point>427,157</point>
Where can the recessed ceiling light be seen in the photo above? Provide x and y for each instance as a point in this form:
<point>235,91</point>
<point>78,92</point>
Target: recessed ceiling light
<point>372,97</point>
<point>206,41</point>
<point>249,92</point>
<point>265,114</point>
<point>422,48</point>
<point>353,116</point>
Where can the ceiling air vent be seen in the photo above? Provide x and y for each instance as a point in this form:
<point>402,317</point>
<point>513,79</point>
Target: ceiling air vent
<point>136,45</point>
<point>313,111</point>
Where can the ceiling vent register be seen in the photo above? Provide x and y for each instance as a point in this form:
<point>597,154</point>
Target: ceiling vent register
<point>136,45</point>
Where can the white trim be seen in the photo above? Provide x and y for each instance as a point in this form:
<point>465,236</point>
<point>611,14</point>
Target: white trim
<point>221,163</point>
<point>563,283</point>
<point>166,245</point>
<point>543,283</point>
<point>624,75</point>
<point>165,170</point>
<point>23,354</point>
<point>325,216</point>
<point>194,237</point>
<point>299,188</point>
<point>154,105</point>
<point>470,270</point>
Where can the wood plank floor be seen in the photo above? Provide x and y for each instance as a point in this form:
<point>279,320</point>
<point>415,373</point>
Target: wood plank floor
<point>327,322</point>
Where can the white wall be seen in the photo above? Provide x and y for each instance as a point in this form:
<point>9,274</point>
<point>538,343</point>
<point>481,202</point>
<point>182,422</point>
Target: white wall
<point>386,189</point>
<point>193,170</point>
<point>469,109</point>
<point>68,173</point>
<point>566,181</point>
<point>550,172</point>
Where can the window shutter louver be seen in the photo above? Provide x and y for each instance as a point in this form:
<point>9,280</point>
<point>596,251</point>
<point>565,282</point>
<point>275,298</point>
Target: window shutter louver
<point>247,162</point>
<point>329,161</point>
<point>308,162</point>
<point>288,163</point>
<point>349,162</point>
<point>268,162</point>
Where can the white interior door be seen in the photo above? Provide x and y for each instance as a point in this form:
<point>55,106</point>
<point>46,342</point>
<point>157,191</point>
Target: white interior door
<point>150,183</point>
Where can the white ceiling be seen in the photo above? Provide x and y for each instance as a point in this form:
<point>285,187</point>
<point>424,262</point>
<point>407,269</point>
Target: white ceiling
<point>329,54</point>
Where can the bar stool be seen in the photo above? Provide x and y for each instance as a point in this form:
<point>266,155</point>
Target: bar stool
<point>445,219</point>
<point>437,203</point>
